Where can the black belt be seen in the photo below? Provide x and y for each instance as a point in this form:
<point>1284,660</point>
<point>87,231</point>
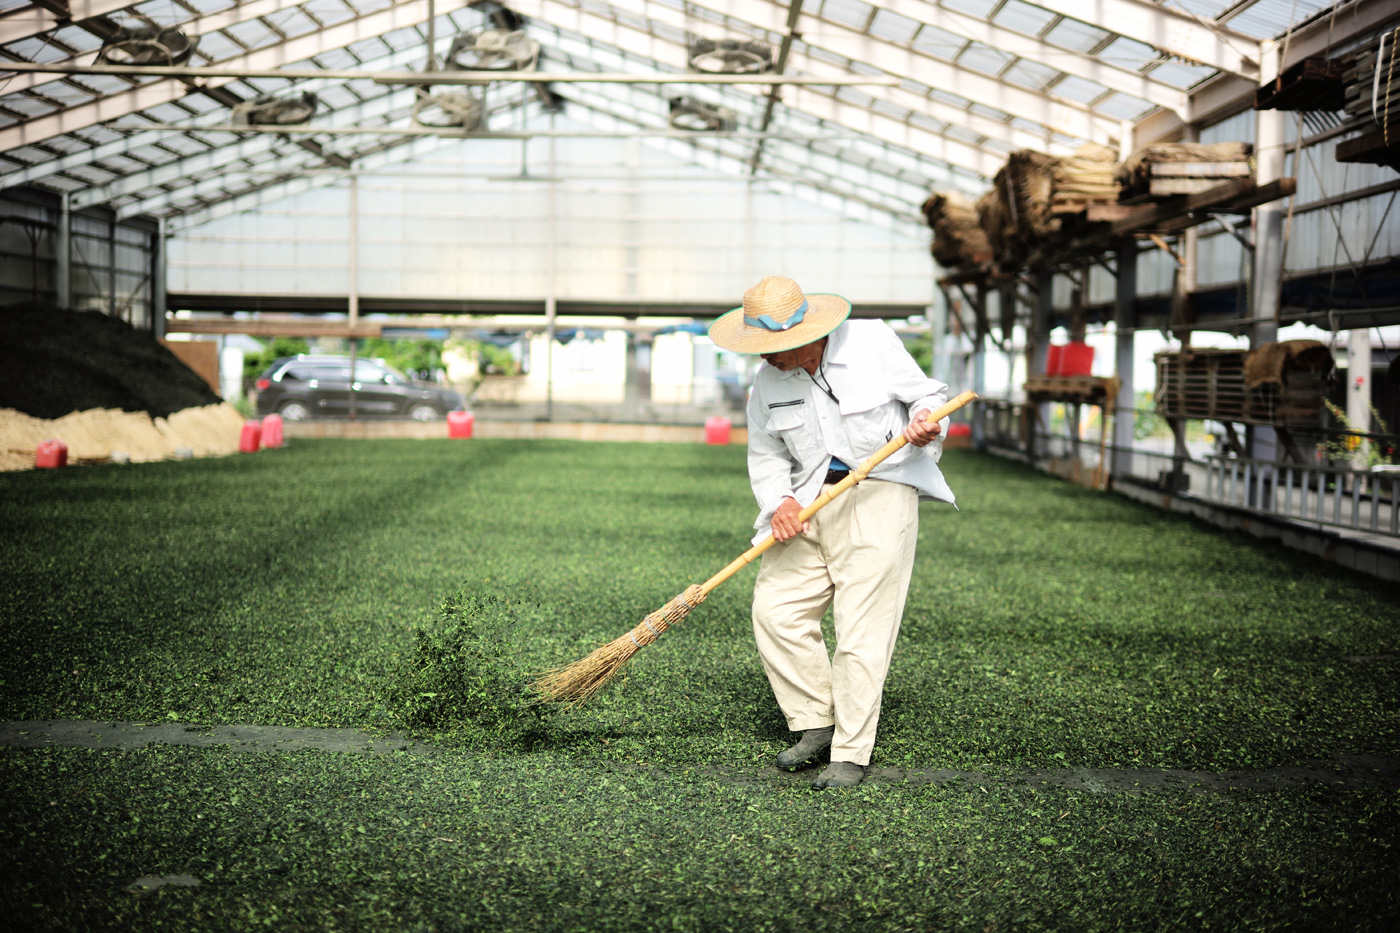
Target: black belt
<point>835,476</point>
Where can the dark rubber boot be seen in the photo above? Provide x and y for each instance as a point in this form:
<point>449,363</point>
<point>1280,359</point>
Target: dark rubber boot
<point>813,741</point>
<point>840,774</point>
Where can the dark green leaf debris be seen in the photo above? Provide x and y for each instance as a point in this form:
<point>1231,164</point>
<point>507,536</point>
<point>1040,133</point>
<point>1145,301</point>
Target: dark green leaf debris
<point>407,586</point>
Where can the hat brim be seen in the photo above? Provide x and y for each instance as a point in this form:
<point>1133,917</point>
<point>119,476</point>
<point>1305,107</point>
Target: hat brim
<point>824,314</point>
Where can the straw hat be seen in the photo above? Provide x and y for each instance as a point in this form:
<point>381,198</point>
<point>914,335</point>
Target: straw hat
<point>776,316</point>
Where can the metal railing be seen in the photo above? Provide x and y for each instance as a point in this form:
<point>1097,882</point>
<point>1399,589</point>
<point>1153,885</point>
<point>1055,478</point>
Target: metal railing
<point>1340,497</point>
<point>1321,495</point>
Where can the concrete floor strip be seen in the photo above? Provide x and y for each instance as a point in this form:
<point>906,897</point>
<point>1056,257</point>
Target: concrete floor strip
<point>1352,772</point>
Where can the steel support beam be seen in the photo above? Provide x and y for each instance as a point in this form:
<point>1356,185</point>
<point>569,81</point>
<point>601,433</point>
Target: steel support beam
<point>1175,32</point>
<point>1125,327</point>
<point>24,22</point>
<point>1270,150</point>
<point>267,60</point>
<point>148,137</point>
<point>252,200</point>
<point>1078,64</point>
<point>199,26</point>
<point>1067,117</point>
<point>63,254</point>
<point>159,295</point>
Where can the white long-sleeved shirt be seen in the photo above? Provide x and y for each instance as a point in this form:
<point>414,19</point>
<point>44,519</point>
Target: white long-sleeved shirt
<point>795,428</point>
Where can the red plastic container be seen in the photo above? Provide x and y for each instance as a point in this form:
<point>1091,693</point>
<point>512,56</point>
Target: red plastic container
<point>272,431</point>
<point>1052,359</point>
<point>1077,359</point>
<point>959,429</point>
<point>250,438</point>
<point>50,455</point>
<point>717,430</point>
<point>460,423</point>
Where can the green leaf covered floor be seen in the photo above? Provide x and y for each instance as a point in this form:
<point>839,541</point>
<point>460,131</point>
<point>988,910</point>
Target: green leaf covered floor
<point>1049,629</point>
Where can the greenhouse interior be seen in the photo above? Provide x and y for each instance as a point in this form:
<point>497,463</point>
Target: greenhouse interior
<point>397,241</point>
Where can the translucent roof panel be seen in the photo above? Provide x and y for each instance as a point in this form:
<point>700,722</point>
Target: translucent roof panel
<point>963,67</point>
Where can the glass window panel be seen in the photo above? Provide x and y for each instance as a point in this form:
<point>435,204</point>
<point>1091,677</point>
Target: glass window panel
<point>850,12</point>
<point>1072,34</point>
<point>978,8</point>
<point>1179,74</point>
<point>1080,90</point>
<point>1023,17</point>
<point>1030,74</point>
<point>894,26</point>
<point>330,12</point>
<point>939,43</point>
<point>1128,53</point>
<point>209,6</point>
<point>984,58</point>
<point>1123,106</point>
<point>76,38</point>
<point>217,47</point>
<point>251,33</point>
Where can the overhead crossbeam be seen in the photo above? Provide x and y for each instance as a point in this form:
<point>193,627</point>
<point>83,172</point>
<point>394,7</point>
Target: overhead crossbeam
<point>266,59</point>
<point>1170,31</point>
<point>251,200</point>
<point>182,171</point>
<point>21,23</point>
<point>194,28</point>
<point>1064,116</point>
<point>1072,62</point>
<point>927,109</point>
<point>201,121</point>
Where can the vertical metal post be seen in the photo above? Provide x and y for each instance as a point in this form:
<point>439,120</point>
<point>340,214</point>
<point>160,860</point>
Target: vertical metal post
<point>63,253</point>
<point>354,270</point>
<point>979,366</point>
<point>942,368</point>
<point>1038,352</point>
<point>158,280</point>
<point>112,266</point>
<point>1359,389</point>
<point>432,35</point>
<point>550,301</point>
<point>354,384</point>
<point>1125,327</point>
<point>1270,150</point>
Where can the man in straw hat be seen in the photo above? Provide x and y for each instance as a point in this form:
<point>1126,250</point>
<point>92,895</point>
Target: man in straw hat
<point>832,392</point>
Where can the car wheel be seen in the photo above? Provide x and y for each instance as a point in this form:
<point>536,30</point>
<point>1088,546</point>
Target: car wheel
<point>423,412</point>
<point>295,411</point>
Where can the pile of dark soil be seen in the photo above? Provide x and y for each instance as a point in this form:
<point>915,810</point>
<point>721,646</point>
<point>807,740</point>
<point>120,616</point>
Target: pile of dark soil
<point>53,362</point>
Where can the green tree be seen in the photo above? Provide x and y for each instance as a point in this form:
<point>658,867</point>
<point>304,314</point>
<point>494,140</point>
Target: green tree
<point>416,358</point>
<point>921,349</point>
<point>278,347</point>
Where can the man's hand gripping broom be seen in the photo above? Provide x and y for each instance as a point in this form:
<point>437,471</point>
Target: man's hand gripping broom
<point>581,679</point>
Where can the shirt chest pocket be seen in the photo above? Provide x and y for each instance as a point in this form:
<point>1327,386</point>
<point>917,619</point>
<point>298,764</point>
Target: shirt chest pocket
<point>869,419</point>
<point>793,424</point>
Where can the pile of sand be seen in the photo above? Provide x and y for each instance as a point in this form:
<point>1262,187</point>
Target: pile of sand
<point>93,436</point>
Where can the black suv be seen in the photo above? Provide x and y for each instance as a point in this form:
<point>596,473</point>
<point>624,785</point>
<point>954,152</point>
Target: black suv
<point>301,387</point>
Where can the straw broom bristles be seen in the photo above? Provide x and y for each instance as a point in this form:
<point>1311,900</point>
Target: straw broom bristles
<point>577,682</point>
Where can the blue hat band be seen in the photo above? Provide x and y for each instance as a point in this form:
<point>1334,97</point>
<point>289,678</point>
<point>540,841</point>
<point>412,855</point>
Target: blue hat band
<point>766,321</point>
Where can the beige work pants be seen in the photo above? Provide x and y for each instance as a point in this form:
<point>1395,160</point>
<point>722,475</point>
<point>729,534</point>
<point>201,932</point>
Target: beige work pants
<point>857,558</point>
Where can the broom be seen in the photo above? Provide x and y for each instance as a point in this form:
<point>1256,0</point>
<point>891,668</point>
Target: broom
<point>578,681</point>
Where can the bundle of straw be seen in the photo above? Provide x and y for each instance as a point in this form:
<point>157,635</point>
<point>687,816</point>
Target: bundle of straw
<point>1135,175</point>
<point>957,237</point>
<point>1015,213</point>
<point>580,680</point>
<point>1085,178</point>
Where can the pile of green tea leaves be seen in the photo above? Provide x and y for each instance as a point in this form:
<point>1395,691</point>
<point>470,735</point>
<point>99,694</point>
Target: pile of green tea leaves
<point>412,586</point>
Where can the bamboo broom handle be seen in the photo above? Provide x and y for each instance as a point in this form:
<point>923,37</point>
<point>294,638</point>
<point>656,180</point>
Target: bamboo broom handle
<point>856,475</point>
